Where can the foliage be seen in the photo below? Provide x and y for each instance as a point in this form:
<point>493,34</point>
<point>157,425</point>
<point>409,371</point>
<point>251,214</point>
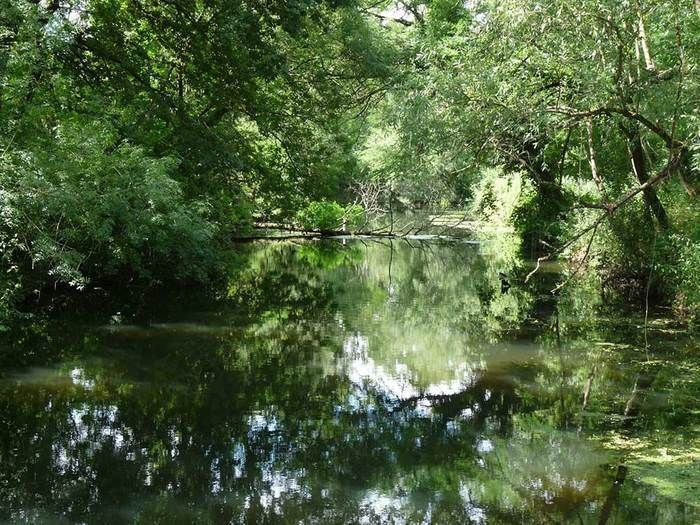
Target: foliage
<point>611,109</point>
<point>679,269</point>
<point>77,210</point>
<point>330,216</point>
<point>239,110</point>
<point>497,196</point>
<point>136,138</point>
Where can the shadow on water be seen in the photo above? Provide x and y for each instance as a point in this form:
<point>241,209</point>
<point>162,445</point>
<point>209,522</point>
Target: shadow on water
<point>351,382</point>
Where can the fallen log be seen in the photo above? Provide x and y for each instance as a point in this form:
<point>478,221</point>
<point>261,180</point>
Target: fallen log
<point>300,233</point>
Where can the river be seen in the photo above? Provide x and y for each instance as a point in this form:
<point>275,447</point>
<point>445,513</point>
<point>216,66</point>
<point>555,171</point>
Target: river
<point>353,381</point>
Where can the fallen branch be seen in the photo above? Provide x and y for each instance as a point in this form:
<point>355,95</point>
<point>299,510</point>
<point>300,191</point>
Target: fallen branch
<point>300,233</point>
<point>580,265</point>
<point>382,18</point>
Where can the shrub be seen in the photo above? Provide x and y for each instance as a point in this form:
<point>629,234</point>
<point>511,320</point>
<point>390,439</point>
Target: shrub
<point>80,209</point>
<point>330,216</point>
<point>496,196</point>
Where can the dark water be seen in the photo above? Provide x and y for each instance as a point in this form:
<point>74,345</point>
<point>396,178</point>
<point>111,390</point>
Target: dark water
<point>362,382</point>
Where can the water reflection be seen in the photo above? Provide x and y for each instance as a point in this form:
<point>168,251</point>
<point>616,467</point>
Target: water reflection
<point>360,382</point>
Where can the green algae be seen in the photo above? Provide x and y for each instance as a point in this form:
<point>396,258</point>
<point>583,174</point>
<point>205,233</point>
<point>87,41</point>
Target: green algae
<point>670,464</point>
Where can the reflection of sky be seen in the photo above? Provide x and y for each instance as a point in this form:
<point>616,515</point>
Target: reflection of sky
<point>397,381</point>
<point>477,515</point>
<point>85,434</point>
<point>280,482</point>
<point>95,427</point>
<point>279,479</point>
<point>362,370</point>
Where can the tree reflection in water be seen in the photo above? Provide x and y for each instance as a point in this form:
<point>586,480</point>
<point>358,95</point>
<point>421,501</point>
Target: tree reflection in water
<point>353,382</point>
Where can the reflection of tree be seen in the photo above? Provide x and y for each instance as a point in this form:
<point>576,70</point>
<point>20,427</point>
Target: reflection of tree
<point>316,393</point>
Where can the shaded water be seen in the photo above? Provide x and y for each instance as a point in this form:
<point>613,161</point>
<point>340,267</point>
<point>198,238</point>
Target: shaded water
<point>356,382</point>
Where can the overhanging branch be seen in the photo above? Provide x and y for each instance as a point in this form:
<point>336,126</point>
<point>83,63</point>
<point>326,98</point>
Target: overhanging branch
<point>574,113</point>
<point>610,209</point>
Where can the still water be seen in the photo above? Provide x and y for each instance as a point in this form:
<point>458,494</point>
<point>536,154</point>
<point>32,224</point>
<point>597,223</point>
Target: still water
<point>352,382</point>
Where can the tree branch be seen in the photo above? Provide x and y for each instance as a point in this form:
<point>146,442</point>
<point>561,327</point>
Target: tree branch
<point>611,209</point>
<point>570,112</point>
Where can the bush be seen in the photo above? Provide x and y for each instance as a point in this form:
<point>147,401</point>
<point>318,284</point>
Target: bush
<point>635,261</point>
<point>80,209</point>
<point>330,216</point>
<point>496,196</point>
<point>680,269</point>
<point>511,199</point>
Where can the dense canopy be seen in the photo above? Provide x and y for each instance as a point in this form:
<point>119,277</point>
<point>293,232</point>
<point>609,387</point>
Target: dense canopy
<point>349,261</point>
<point>138,137</point>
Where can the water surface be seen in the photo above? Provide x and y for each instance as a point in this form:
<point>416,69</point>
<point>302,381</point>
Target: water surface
<point>352,382</point>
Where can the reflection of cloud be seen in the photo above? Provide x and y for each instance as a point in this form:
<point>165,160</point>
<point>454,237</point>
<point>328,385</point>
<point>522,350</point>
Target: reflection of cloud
<point>382,508</point>
<point>93,427</point>
<point>77,376</point>
<point>396,383</point>
<point>476,514</point>
<point>239,456</point>
<point>362,369</point>
<point>448,388</point>
<point>484,446</point>
<point>468,413</point>
<point>259,422</point>
<point>279,483</point>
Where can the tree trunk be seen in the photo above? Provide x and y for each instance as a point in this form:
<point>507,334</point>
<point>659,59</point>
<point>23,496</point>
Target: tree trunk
<point>641,172</point>
<point>642,36</point>
<point>592,160</point>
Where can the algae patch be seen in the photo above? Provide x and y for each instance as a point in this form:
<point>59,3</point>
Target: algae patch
<point>670,465</point>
